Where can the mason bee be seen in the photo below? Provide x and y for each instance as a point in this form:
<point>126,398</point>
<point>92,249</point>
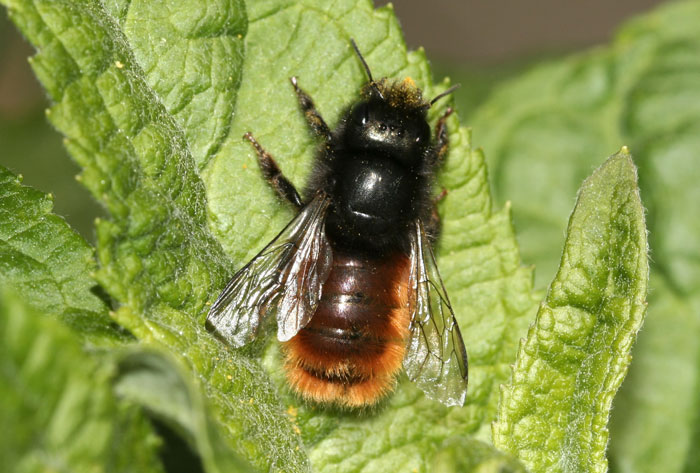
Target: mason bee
<point>352,279</point>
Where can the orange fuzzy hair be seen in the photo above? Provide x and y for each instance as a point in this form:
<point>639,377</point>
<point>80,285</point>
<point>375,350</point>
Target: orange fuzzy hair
<point>361,379</point>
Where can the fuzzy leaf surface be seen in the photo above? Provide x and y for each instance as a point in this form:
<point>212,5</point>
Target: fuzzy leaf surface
<point>48,264</point>
<point>554,413</point>
<point>192,57</point>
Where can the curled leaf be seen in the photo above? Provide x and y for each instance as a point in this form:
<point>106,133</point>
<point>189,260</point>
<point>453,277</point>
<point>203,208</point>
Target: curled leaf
<point>554,413</point>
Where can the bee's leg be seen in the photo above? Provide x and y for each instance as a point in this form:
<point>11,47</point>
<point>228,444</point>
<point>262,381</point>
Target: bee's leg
<point>433,225</point>
<point>273,175</point>
<point>442,141</point>
<point>313,118</point>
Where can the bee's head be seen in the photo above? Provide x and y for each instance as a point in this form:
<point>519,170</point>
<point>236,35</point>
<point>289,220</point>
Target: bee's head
<point>389,127</point>
<point>390,119</point>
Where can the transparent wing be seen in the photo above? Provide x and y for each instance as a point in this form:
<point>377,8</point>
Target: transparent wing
<point>288,274</point>
<point>435,356</point>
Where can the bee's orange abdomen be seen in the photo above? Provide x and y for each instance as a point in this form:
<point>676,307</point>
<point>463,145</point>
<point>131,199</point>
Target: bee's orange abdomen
<point>351,351</point>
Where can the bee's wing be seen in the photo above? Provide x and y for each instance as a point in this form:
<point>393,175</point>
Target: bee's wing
<point>287,274</point>
<point>435,356</point>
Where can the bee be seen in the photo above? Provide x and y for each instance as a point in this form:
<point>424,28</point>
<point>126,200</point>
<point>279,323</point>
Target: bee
<point>352,279</point>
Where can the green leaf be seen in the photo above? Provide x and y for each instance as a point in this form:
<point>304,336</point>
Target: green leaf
<point>58,411</point>
<point>192,57</point>
<point>554,413</point>
<point>157,256</point>
<point>157,382</point>
<point>48,264</point>
<point>156,250</point>
<point>482,458</point>
<point>543,132</point>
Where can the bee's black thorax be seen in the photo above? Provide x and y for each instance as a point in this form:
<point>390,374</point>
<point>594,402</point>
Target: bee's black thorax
<point>377,171</point>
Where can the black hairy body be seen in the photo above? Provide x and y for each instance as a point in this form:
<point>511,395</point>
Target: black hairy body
<point>352,278</point>
<point>378,184</point>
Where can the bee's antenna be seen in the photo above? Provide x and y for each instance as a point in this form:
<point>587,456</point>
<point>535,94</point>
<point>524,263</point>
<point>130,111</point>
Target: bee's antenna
<point>369,73</point>
<point>447,92</point>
